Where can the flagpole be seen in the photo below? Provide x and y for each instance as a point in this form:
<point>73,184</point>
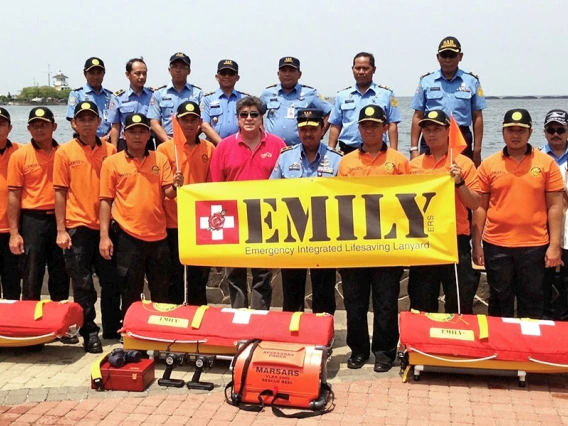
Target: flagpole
<point>457,288</point>
<point>177,159</point>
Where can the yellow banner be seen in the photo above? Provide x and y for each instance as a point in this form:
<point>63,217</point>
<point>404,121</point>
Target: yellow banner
<point>319,222</point>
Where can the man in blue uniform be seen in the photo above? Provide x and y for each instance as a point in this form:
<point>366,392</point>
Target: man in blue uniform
<point>556,134</point>
<point>219,108</point>
<point>135,99</point>
<point>349,101</point>
<point>310,158</point>
<point>283,100</point>
<point>167,98</point>
<point>455,92</point>
<point>94,71</point>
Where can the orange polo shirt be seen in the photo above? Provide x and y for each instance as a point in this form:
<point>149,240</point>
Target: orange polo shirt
<point>517,215</point>
<point>31,170</point>
<point>77,169</point>
<point>427,164</point>
<point>194,165</point>
<point>11,147</point>
<point>387,162</point>
<point>137,189</point>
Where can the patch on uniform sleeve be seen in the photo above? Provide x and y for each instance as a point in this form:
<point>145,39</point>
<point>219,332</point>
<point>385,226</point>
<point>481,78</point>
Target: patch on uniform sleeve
<point>72,101</point>
<point>479,91</point>
<point>322,97</point>
<point>394,102</point>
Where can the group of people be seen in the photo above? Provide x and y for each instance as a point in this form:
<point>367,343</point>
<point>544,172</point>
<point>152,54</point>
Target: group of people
<point>105,202</point>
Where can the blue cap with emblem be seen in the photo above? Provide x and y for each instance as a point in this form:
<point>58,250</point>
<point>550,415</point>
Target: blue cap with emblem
<point>180,56</point>
<point>289,61</point>
<point>309,117</point>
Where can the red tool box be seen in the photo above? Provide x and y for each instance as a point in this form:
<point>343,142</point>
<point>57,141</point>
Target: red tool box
<point>132,376</point>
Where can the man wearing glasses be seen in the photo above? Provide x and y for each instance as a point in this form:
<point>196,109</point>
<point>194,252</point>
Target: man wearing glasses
<point>250,154</point>
<point>556,133</point>
<point>219,108</point>
<point>167,98</point>
<point>455,92</point>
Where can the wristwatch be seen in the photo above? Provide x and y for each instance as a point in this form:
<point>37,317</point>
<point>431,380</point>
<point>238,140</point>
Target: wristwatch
<point>460,183</point>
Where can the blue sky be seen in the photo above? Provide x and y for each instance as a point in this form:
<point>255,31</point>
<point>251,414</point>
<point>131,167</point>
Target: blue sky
<point>516,47</point>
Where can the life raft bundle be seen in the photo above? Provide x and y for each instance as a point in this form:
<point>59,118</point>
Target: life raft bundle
<point>30,322</point>
<point>217,331</point>
<point>481,344</point>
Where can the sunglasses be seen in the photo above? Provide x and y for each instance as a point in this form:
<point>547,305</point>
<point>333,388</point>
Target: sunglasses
<point>251,114</point>
<point>553,130</point>
<point>447,55</point>
<point>230,73</point>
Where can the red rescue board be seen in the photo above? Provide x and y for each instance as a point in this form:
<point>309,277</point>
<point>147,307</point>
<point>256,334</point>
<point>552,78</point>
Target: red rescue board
<point>215,330</point>
<point>30,322</point>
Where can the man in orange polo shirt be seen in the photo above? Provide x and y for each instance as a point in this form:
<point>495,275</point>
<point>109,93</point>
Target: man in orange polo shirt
<point>134,183</point>
<point>31,211</point>
<point>194,164</point>
<point>519,220</point>
<point>9,273</point>
<point>372,158</point>
<point>424,281</point>
<point>76,181</point>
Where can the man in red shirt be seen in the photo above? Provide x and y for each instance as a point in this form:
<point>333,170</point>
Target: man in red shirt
<point>250,154</point>
<point>9,272</point>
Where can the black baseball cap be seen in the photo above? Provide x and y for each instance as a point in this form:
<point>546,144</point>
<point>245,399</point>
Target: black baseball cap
<point>450,43</point>
<point>309,117</point>
<point>187,108</point>
<point>227,64</point>
<point>86,106</point>
<point>136,120</point>
<point>517,117</point>
<point>5,114</point>
<point>372,113</point>
<point>180,56</point>
<point>435,116</point>
<point>556,116</point>
<point>289,61</point>
<point>93,63</point>
<point>41,113</point>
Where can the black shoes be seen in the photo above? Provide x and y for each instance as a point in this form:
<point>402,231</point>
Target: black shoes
<point>382,366</point>
<point>93,344</point>
<point>356,361</point>
<point>69,339</point>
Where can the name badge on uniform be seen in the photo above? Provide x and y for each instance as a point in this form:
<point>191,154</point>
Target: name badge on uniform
<point>294,166</point>
<point>322,170</point>
<point>348,101</point>
<point>433,89</point>
<point>291,113</point>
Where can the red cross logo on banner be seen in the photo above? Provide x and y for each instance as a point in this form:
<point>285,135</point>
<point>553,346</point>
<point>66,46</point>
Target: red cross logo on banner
<point>217,222</point>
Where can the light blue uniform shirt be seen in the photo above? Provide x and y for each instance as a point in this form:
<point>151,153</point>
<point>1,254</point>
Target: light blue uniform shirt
<point>348,103</point>
<point>165,101</point>
<point>282,108</point>
<point>220,111</point>
<point>102,99</point>
<point>460,96</point>
<point>293,163</point>
<point>561,161</point>
<point>126,102</point>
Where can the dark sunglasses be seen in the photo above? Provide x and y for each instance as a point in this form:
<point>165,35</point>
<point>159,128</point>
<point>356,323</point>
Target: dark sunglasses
<point>252,114</point>
<point>447,55</point>
<point>553,130</point>
<point>230,73</point>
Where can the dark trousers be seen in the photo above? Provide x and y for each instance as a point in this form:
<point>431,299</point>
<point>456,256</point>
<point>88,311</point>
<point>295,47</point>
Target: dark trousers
<point>346,149</point>
<point>39,231</point>
<point>424,283</point>
<point>80,261</point>
<point>467,135</point>
<point>261,288</point>
<point>136,258</point>
<point>9,271</point>
<point>559,309</point>
<point>515,273</point>
<point>197,277</point>
<point>294,288</point>
<point>383,286</point>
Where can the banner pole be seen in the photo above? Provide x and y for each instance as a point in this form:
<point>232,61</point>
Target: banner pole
<point>457,288</point>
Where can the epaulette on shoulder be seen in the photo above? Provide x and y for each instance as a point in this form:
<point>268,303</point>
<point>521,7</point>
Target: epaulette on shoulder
<point>288,148</point>
<point>335,151</point>
<point>345,88</point>
<point>151,89</point>
<point>118,92</point>
<point>271,86</point>
<point>309,87</point>
<point>77,89</point>
<point>245,93</point>
<point>197,87</point>
<point>158,88</point>
<point>424,75</point>
<point>208,94</point>
<point>382,86</point>
<point>474,75</point>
